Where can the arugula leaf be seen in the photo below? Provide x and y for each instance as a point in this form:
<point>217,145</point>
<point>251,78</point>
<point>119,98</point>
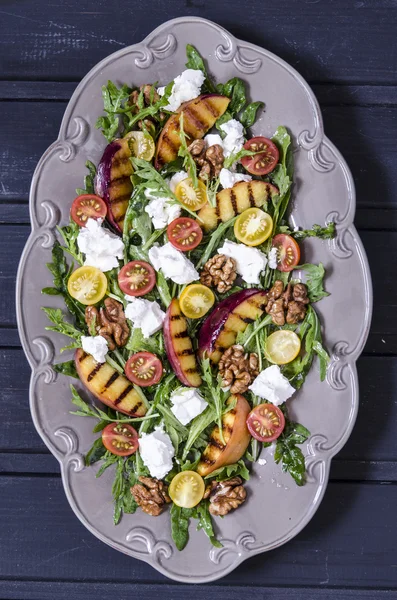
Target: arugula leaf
<point>69,235</point>
<point>235,89</point>
<point>232,158</point>
<point>223,119</point>
<point>281,176</point>
<point>213,241</point>
<point>108,460</point>
<point>236,469</point>
<point>214,394</point>
<point>248,115</point>
<point>314,281</point>
<point>136,342</point>
<point>197,426</point>
<point>124,479</point>
<point>66,368</point>
<point>287,452</point>
<point>205,522</point>
<point>195,61</point>
<point>95,453</point>
<point>325,233</point>
<point>88,180</point>
<point>247,336</point>
<point>188,162</point>
<point>56,316</point>
<point>180,518</point>
<point>113,102</point>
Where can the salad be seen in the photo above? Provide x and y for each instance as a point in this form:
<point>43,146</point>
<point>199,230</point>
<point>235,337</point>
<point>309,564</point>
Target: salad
<point>190,328</point>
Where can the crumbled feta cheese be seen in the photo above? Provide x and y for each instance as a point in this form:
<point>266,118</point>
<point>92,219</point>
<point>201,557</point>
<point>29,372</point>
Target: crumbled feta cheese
<point>250,261</point>
<point>228,179</point>
<point>213,138</point>
<point>272,386</point>
<point>161,211</point>
<point>234,138</point>
<point>187,404</point>
<point>96,345</point>
<point>272,258</point>
<point>145,315</point>
<point>157,452</point>
<point>174,264</point>
<point>101,247</point>
<point>186,87</point>
<point>177,178</point>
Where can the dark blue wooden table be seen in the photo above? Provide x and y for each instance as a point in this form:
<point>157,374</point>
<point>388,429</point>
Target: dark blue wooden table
<point>347,51</point>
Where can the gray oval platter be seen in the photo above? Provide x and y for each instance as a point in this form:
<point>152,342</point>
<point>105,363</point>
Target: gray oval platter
<point>323,190</point>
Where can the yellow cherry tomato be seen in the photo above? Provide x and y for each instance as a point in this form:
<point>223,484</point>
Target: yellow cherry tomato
<point>141,144</point>
<point>87,285</point>
<point>253,227</point>
<point>282,347</point>
<point>187,489</point>
<point>189,196</point>
<point>196,300</point>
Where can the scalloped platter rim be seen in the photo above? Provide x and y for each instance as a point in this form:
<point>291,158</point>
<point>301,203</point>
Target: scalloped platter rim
<point>323,190</point>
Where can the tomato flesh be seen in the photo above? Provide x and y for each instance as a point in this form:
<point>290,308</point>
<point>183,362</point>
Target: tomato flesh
<point>196,300</point>
<point>266,422</point>
<point>120,439</point>
<point>87,206</point>
<point>264,162</point>
<point>288,252</point>
<point>137,278</point>
<point>88,285</point>
<point>191,197</point>
<point>253,227</point>
<point>141,144</point>
<point>187,489</point>
<point>282,347</point>
<point>184,233</point>
<point>144,369</point>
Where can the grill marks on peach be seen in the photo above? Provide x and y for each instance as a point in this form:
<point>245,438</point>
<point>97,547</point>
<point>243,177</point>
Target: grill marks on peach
<point>182,344</point>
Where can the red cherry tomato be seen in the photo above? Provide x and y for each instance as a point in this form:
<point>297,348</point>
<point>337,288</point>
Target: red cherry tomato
<point>264,162</point>
<point>137,278</point>
<point>87,206</point>
<point>144,369</point>
<point>184,233</point>
<point>266,422</point>
<point>120,439</point>
<point>288,252</point>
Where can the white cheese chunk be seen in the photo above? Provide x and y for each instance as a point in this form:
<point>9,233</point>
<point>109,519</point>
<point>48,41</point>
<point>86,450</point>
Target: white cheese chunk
<point>157,452</point>
<point>187,404</point>
<point>101,247</point>
<point>234,138</point>
<point>173,264</point>
<point>186,87</point>
<point>271,385</point>
<point>250,262</point>
<point>213,138</point>
<point>272,258</point>
<point>161,211</point>
<point>177,178</point>
<point>228,178</point>
<point>145,315</point>
<point>96,345</point>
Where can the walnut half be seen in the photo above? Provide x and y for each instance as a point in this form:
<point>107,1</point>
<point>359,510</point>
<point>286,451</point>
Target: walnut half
<point>238,369</point>
<point>109,322</point>
<point>220,272</point>
<point>225,496</point>
<point>151,495</point>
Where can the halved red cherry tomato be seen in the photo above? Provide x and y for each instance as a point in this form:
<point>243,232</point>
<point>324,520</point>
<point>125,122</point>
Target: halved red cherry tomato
<point>120,439</point>
<point>87,206</point>
<point>264,162</point>
<point>288,252</point>
<point>144,369</point>
<point>137,278</point>
<point>184,233</point>
<point>266,422</point>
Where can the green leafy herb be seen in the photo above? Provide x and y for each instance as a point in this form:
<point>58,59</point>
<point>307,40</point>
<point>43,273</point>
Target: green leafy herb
<point>113,102</point>
<point>248,115</point>
<point>108,460</point>
<point>188,162</point>
<point>205,522</point>
<point>197,426</point>
<point>195,61</point>
<point>180,518</point>
<point>236,469</point>
<point>95,453</point>
<point>213,241</point>
<point>124,479</point>
<point>314,281</point>
<point>234,89</point>
<point>214,393</point>
<point>287,452</point>
<point>230,160</point>
<point>325,233</point>
<point>282,174</point>
<point>69,235</point>
<point>56,316</point>
<point>136,342</point>
<point>66,368</point>
<point>88,179</point>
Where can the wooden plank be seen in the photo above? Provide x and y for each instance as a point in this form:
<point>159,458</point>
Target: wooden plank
<point>340,547</point>
<point>365,135</point>
<point>322,39</point>
<point>220,590</point>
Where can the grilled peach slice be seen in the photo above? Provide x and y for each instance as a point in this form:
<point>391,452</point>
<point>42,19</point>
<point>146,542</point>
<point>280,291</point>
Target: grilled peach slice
<point>199,115</point>
<point>233,201</point>
<point>113,181</point>
<point>178,346</point>
<point>219,330</point>
<point>236,439</point>
<point>109,386</point>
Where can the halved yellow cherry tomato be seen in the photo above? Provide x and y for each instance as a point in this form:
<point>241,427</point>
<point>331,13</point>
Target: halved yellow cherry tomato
<point>253,227</point>
<point>187,489</point>
<point>282,347</point>
<point>189,196</point>
<point>141,144</point>
<point>196,300</point>
<point>87,285</point>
